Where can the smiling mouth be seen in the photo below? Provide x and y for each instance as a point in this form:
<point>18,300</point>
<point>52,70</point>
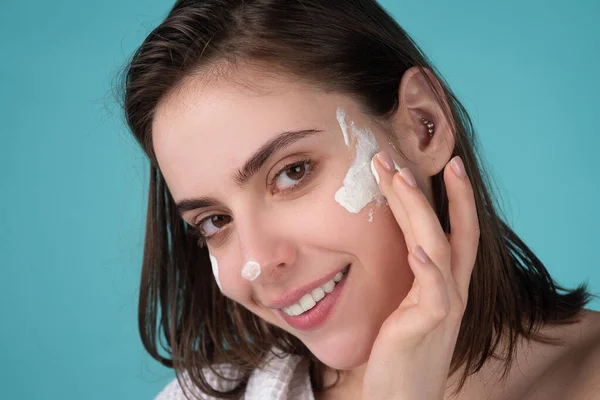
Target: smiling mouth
<point>309,300</point>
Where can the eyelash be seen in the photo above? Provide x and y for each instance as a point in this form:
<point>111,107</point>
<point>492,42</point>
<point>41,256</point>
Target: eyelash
<point>201,240</point>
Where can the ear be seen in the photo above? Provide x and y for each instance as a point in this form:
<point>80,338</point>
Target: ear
<point>426,155</point>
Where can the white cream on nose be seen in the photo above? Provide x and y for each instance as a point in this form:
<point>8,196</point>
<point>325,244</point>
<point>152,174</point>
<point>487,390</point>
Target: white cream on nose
<point>251,270</point>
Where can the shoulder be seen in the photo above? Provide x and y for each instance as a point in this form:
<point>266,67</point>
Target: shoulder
<point>541,371</point>
<point>575,374</point>
<point>585,383</point>
<point>171,392</point>
<point>282,376</point>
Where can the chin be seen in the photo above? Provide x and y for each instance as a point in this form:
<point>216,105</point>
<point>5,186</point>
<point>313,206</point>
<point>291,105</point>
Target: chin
<point>346,350</point>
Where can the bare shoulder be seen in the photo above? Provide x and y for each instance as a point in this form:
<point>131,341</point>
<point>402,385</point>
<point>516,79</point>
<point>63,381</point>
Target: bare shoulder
<point>570,371</point>
<point>585,384</point>
<point>574,374</point>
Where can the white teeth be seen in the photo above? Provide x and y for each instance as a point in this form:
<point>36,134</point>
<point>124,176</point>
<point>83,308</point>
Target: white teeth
<point>296,309</point>
<point>318,294</point>
<point>328,287</point>
<point>309,300</point>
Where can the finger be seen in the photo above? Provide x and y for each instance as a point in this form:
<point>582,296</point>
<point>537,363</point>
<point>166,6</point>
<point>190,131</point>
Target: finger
<point>424,222</point>
<point>419,314</point>
<point>434,300</point>
<point>464,224</point>
<point>384,169</point>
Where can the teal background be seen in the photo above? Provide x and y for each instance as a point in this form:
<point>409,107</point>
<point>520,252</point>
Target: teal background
<point>73,187</point>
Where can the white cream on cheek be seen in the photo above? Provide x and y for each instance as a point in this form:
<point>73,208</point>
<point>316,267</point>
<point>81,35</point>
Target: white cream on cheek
<point>341,117</point>
<point>215,269</point>
<point>359,187</point>
<point>251,270</point>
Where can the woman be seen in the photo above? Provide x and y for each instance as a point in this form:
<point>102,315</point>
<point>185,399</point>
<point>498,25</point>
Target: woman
<point>283,260</point>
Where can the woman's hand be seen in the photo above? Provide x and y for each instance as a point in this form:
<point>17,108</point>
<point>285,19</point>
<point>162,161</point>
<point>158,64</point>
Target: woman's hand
<point>411,355</point>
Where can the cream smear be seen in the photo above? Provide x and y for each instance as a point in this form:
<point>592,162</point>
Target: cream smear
<point>251,270</point>
<point>359,187</point>
<point>341,117</point>
<point>215,269</point>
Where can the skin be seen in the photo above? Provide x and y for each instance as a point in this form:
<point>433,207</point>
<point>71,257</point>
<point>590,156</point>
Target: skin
<point>204,131</point>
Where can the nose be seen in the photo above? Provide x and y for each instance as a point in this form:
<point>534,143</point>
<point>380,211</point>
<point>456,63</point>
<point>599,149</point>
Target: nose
<point>267,250</point>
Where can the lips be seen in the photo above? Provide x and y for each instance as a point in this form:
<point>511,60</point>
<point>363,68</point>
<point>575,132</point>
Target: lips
<point>320,312</point>
<point>309,300</point>
<point>295,295</point>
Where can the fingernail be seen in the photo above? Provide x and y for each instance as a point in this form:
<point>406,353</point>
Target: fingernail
<point>458,167</point>
<point>374,171</point>
<point>385,160</point>
<point>408,177</point>
<point>420,254</point>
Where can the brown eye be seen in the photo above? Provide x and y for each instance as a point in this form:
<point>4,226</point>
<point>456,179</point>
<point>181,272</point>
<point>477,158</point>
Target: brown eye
<point>296,172</point>
<point>292,176</point>
<point>220,220</point>
<point>210,225</point>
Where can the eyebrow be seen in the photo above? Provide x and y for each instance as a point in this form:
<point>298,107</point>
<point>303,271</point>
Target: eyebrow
<point>251,167</point>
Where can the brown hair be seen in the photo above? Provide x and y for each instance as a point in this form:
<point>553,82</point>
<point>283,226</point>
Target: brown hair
<point>352,47</point>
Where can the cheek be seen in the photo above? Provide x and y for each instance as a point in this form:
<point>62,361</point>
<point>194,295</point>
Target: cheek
<point>374,234</point>
<point>250,271</point>
<point>227,274</point>
<point>324,223</point>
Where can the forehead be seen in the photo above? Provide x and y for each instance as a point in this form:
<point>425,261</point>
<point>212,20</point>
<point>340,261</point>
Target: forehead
<point>202,132</point>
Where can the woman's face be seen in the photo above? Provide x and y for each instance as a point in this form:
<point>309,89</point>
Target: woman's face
<point>280,210</point>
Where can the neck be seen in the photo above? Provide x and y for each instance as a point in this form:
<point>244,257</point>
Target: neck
<point>349,384</point>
